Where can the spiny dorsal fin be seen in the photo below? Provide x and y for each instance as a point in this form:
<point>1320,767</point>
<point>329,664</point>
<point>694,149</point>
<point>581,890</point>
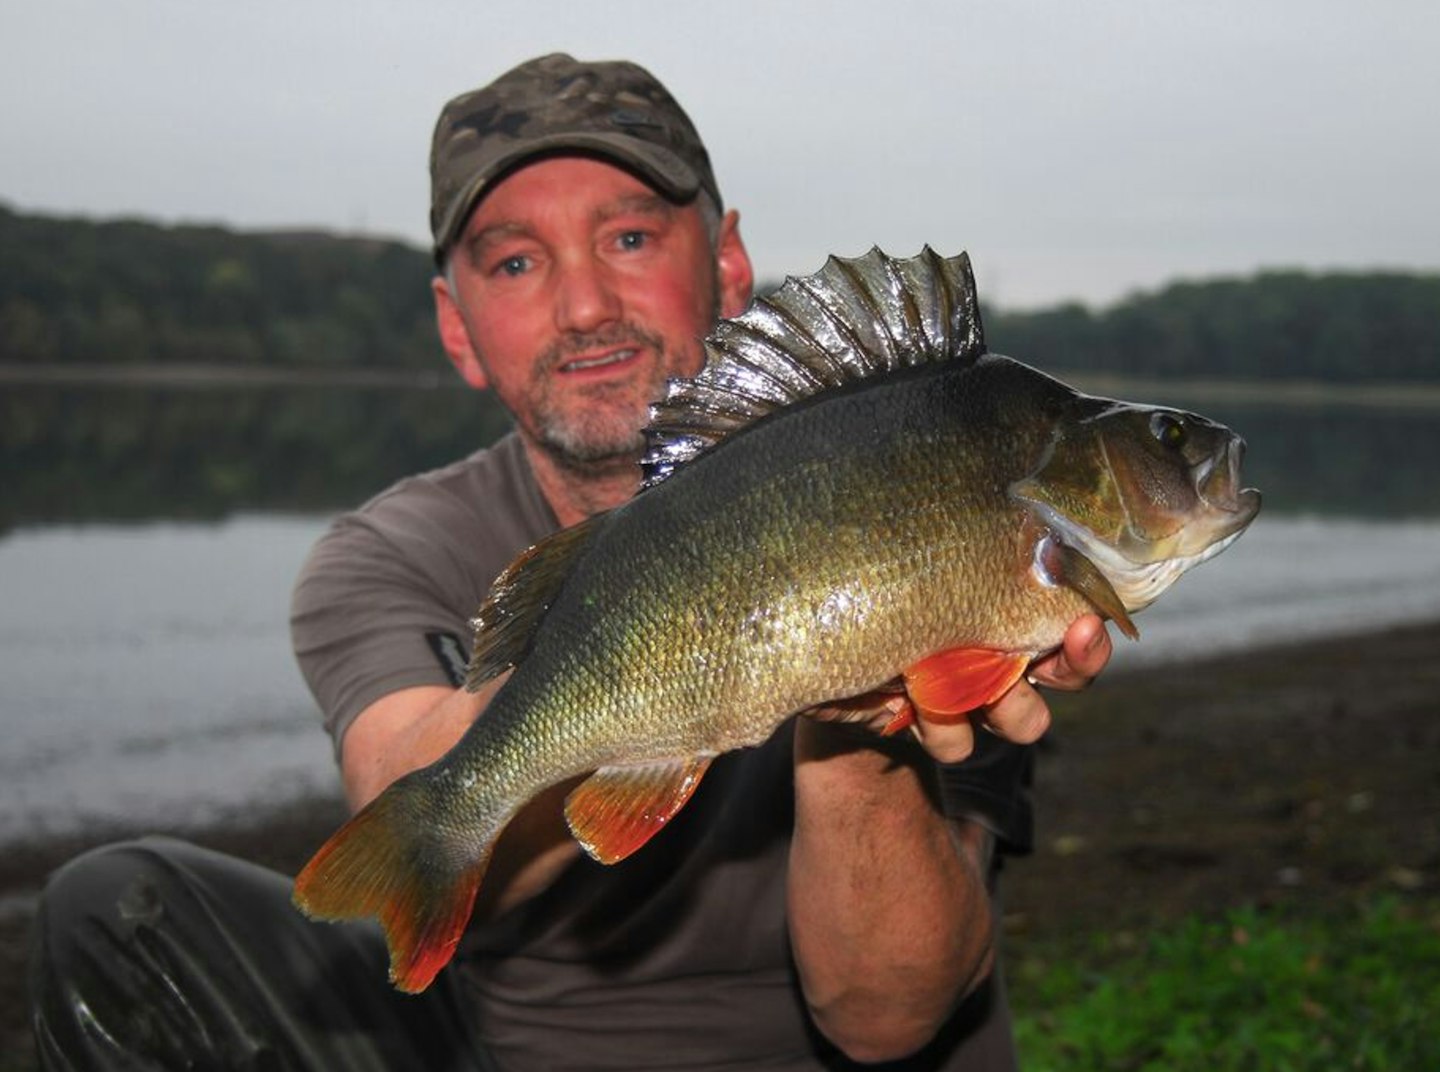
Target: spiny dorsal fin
<point>519,598</point>
<point>855,319</point>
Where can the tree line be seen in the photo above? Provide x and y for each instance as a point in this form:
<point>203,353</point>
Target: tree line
<point>131,292</point>
<point>1335,327</point>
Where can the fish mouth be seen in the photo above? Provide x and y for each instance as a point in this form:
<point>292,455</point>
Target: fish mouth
<point>1218,485</point>
<point>1235,517</point>
<point>1229,506</point>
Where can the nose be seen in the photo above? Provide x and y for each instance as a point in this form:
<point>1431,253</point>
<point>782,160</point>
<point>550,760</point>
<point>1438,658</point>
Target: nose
<point>585,297</point>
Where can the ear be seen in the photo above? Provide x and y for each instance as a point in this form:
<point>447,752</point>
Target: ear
<point>737,276</point>
<point>455,335</point>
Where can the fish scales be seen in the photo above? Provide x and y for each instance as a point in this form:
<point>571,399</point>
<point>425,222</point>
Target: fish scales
<point>820,553</point>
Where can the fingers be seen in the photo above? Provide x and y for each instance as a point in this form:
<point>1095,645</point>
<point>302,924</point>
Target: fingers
<point>946,744</point>
<point>1080,658</point>
<point>1021,715</point>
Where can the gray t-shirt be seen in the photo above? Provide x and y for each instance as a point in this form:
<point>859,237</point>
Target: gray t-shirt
<point>385,599</point>
<point>676,958</point>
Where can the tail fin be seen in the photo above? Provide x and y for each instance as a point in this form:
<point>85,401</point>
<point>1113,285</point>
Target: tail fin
<point>382,863</point>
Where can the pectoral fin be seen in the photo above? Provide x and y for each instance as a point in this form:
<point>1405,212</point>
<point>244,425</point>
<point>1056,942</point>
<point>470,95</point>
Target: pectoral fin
<point>618,809</point>
<point>946,685</point>
<point>1069,567</point>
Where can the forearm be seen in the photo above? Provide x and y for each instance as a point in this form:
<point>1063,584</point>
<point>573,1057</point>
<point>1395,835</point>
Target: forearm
<point>890,917</point>
<point>402,732</point>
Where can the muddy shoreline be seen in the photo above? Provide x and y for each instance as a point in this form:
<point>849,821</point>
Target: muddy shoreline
<point>1299,775</point>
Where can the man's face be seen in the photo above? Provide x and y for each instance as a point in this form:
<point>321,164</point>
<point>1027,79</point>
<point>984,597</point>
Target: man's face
<point>575,291</point>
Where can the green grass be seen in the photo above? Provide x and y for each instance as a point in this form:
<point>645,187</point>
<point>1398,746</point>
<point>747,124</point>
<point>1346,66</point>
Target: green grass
<point>1357,988</point>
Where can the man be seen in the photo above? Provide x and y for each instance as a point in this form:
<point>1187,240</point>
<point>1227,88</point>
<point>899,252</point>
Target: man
<point>811,905</point>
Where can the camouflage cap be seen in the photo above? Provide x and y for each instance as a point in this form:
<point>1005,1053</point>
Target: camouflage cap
<point>554,103</point>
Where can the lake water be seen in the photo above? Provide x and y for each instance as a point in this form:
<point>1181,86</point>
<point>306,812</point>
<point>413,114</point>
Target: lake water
<point>145,670</point>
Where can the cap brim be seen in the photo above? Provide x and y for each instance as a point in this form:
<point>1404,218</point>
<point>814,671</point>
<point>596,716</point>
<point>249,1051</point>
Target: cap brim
<point>656,165</point>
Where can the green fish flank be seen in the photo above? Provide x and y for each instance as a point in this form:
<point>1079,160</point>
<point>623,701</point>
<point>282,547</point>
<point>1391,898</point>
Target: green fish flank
<point>851,486</point>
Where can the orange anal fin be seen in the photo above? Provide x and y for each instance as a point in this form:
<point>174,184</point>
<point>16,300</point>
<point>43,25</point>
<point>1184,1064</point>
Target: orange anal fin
<point>375,866</point>
<point>944,686</point>
<point>618,809</point>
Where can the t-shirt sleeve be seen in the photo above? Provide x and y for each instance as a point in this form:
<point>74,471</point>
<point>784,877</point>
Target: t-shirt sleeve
<point>378,607</point>
<point>386,597</point>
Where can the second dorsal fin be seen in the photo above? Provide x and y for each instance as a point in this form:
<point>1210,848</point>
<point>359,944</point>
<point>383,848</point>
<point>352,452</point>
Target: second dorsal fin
<point>519,598</point>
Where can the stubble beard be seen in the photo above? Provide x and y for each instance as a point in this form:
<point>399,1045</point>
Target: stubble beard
<point>605,433</point>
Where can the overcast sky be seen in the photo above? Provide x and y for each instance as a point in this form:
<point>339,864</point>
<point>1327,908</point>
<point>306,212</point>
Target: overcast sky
<point>1078,150</point>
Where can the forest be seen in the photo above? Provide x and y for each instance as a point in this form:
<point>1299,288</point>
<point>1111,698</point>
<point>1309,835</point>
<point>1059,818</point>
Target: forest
<point>116,292</point>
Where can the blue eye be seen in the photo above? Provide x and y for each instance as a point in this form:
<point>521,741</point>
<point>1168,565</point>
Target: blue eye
<point>633,239</point>
<point>514,265</point>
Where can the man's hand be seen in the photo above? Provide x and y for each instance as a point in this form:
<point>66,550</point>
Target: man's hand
<point>889,911</point>
<point>1021,715</point>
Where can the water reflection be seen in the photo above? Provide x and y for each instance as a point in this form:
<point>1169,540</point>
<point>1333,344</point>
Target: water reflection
<point>77,454</point>
<point>105,454</point>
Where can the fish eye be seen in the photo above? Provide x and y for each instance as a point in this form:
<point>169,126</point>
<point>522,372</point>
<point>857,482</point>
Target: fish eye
<point>1169,430</point>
